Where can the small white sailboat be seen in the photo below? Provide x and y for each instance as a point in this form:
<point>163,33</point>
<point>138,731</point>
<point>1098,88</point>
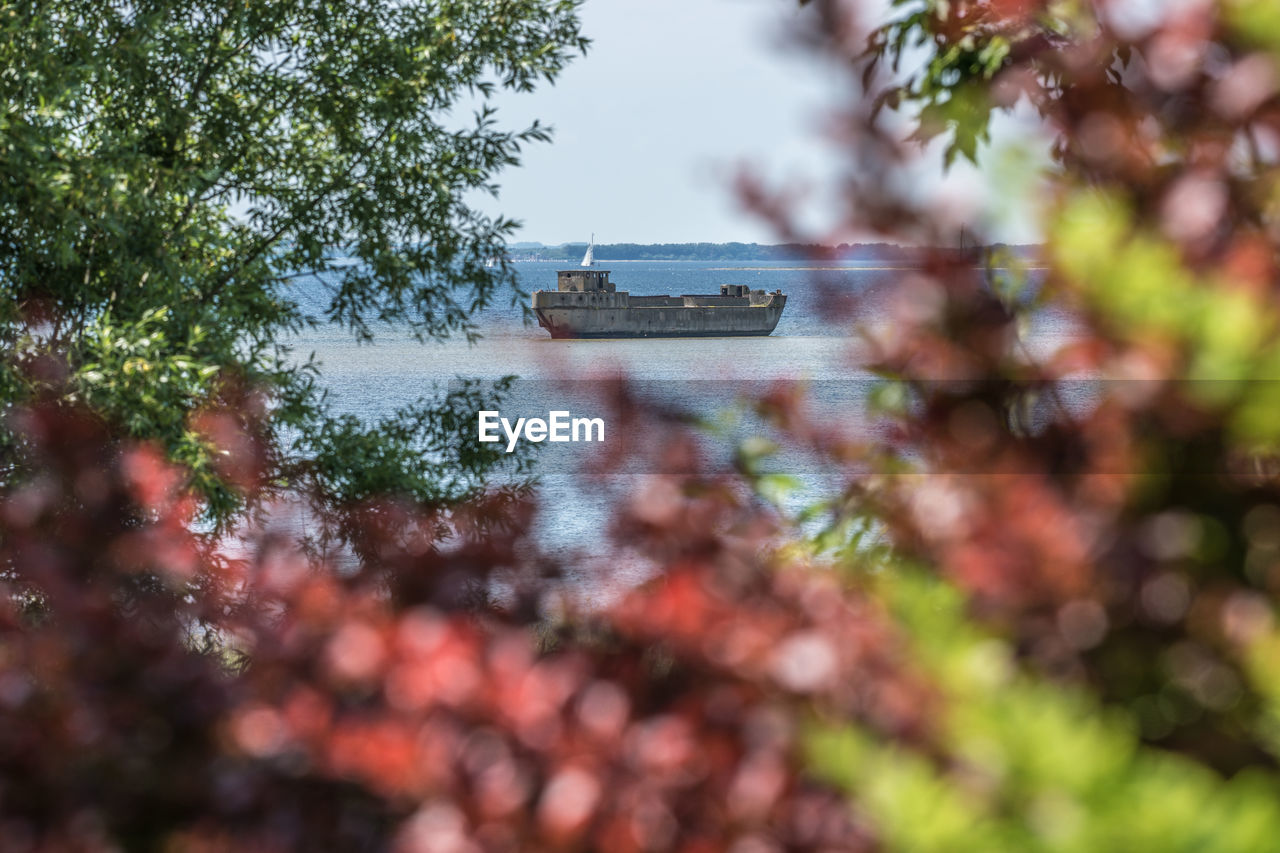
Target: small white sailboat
<point>589,259</point>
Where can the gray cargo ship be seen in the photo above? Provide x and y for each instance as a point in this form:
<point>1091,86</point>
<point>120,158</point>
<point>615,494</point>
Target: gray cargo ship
<point>585,304</point>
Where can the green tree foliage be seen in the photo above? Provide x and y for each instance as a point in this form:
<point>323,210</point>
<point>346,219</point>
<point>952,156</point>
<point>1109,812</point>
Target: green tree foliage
<point>173,170</point>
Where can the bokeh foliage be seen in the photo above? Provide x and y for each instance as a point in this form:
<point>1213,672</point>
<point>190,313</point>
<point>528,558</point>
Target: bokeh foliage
<point>1081,530</point>
<point>1039,615</point>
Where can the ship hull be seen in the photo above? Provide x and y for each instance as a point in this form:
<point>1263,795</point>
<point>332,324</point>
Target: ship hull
<point>563,334</point>
<point>666,322</point>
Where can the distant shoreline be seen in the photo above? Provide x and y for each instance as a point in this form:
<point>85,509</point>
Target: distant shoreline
<point>802,268</point>
<point>831,269</point>
<point>731,253</point>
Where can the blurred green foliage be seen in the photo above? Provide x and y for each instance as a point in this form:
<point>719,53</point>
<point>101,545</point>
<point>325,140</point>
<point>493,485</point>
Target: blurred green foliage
<point>1031,765</point>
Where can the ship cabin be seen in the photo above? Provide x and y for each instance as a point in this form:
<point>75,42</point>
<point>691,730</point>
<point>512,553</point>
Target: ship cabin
<point>736,290</point>
<point>584,281</point>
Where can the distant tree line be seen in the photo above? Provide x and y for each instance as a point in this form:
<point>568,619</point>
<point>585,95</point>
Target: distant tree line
<point>739,251</point>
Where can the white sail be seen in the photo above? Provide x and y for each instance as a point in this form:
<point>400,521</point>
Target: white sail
<point>589,259</point>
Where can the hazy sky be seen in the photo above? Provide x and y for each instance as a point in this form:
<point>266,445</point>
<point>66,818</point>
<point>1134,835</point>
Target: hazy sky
<point>673,97</point>
<point>650,125</point>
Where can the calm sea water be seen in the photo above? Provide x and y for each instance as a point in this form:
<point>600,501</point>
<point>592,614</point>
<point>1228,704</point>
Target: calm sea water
<point>809,343</point>
<point>703,375</point>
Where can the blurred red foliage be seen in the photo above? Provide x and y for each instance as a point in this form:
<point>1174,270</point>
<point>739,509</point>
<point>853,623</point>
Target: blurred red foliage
<point>156,695</point>
<point>1113,539</point>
